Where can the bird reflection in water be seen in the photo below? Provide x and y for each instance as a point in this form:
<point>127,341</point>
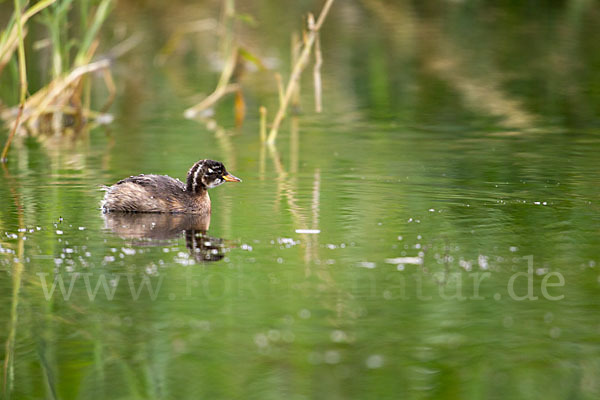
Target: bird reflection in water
<point>147,229</point>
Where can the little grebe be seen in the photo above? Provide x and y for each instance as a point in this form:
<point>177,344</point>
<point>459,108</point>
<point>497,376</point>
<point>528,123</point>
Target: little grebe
<point>163,194</point>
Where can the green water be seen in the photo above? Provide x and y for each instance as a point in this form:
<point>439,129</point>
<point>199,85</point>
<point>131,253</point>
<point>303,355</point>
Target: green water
<point>450,191</point>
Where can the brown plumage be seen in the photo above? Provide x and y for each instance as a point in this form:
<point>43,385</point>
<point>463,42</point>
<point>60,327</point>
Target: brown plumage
<point>163,194</point>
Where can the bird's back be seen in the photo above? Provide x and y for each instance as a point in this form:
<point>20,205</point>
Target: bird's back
<point>148,193</point>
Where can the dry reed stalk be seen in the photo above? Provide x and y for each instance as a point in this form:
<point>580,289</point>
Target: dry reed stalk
<point>280,89</point>
<point>240,107</point>
<point>223,87</point>
<point>9,46</point>
<point>263,123</point>
<point>63,95</point>
<point>296,48</point>
<point>11,135</point>
<point>317,70</point>
<point>309,41</point>
<point>231,52</point>
<point>294,143</point>
<point>215,96</point>
<point>60,90</point>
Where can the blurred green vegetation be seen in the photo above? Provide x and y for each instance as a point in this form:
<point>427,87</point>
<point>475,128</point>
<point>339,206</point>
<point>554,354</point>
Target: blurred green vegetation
<point>474,110</point>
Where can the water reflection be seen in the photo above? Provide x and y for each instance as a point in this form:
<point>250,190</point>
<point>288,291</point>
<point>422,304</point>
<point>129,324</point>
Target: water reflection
<point>155,229</point>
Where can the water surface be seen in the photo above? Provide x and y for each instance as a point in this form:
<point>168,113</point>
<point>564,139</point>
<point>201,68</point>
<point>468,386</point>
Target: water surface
<point>450,192</point>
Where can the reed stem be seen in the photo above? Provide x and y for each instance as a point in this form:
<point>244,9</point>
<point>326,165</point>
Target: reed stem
<point>317,75</point>
<point>311,37</point>
<point>22,80</point>
<point>263,123</point>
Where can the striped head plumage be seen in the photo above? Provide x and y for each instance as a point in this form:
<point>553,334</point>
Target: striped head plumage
<point>207,174</point>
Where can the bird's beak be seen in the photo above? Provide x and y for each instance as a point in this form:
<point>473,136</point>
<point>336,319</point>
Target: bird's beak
<point>231,178</point>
